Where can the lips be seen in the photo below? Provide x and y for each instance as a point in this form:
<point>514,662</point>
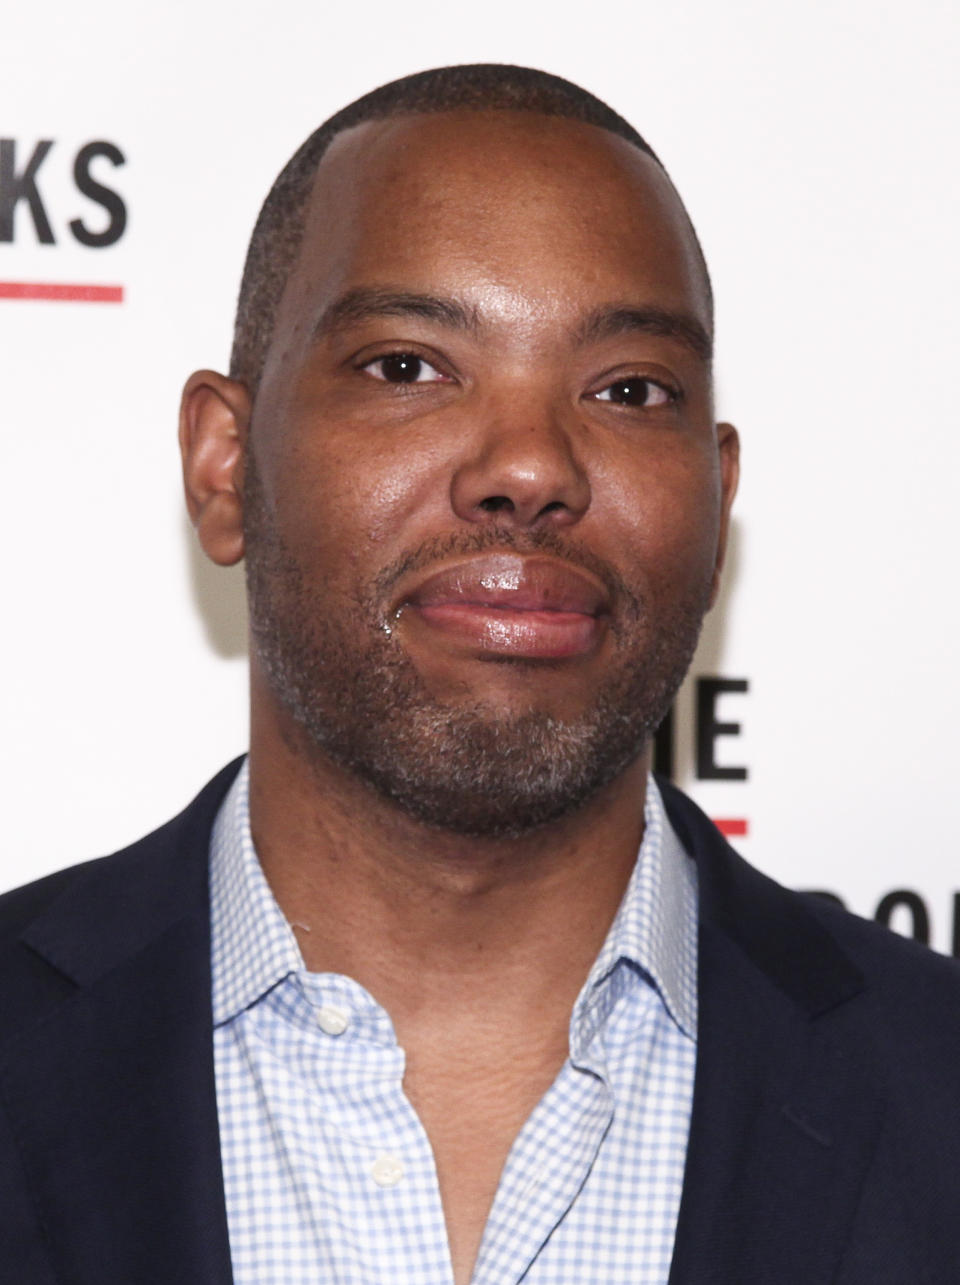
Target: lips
<point>508,604</point>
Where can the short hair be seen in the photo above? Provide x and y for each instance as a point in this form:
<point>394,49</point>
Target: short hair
<point>276,237</point>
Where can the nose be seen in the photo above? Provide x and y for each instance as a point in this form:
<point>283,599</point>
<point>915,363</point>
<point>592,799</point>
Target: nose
<point>521,471</point>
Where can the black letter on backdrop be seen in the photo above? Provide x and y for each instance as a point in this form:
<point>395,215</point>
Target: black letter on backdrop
<point>914,903</point>
<point>708,728</point>
<point>104,196</point>
<point>16,187</point>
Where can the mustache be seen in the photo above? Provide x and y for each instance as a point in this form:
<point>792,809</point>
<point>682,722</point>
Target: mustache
<point>441,548</point>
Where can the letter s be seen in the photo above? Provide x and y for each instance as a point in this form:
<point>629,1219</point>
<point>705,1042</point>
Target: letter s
<point>104,196</point>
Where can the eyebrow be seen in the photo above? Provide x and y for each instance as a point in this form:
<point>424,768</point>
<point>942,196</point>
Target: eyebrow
<point>611,321</point>
<point>366,303</point>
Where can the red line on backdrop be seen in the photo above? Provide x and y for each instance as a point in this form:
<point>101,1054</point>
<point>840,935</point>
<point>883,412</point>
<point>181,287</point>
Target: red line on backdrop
<point>60,293</point>
<point>732,827</point>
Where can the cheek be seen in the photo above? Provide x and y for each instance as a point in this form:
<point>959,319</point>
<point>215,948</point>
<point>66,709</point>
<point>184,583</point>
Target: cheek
<point>352,501</point>
<point>668,507</point>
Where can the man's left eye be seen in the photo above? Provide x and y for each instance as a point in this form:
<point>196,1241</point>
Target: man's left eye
<point>635,392</point>
<point>403,368</point>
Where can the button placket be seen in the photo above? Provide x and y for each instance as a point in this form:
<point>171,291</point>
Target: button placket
<point>332,1021</point>
<point>386,1170</point>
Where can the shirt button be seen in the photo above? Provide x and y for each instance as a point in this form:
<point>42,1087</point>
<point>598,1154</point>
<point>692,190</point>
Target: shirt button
<point>332,1021</point>
<point>387,1171</point>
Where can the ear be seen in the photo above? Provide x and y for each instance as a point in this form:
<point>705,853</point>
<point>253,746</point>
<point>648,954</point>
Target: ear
<point>728,449</point>
<point>214,418</point>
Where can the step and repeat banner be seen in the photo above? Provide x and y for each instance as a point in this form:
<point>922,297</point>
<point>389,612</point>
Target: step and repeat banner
<point>815,146</point>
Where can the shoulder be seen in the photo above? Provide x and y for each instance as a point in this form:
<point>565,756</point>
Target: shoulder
<point>803,937</point>
<point>910,1001</point>
<point>73,926</point>
<point>129,865</point>
<point>20,906</point>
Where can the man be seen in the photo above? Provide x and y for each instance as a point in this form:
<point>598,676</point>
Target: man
<point>439,985</point>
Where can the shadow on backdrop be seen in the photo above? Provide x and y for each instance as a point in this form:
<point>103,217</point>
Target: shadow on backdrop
<point>219,597</point>
<point>710,652</point>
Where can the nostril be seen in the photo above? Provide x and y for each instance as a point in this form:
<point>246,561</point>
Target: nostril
<point>497,504</point>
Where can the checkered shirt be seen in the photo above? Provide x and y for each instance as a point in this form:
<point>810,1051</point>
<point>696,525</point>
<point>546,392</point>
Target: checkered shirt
<point>329,1175</point>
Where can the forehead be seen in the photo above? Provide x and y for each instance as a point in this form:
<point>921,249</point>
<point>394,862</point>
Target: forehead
<point>477,203</point>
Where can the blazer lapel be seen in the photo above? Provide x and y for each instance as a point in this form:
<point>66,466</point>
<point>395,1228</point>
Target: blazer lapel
<point>782,1131</point>
<point>110,1087</point>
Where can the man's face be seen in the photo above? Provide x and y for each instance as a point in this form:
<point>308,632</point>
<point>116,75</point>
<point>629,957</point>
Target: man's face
<point>484,495</point>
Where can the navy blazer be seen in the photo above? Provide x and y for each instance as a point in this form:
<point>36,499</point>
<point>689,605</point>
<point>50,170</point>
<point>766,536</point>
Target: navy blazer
<point>824,1141</point>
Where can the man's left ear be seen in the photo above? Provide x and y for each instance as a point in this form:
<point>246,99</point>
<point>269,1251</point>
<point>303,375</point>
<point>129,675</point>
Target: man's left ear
<point>728,449</point>
<point>214,417</point>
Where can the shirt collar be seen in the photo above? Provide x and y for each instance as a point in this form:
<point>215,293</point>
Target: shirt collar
<point>655,929</point>
<point>253,947</point>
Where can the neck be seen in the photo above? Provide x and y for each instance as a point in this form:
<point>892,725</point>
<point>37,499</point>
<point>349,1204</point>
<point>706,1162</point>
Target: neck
<point>427,920</point>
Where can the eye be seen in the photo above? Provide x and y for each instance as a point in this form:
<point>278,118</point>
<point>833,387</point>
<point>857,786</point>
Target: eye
<point>636,391</point>
<point>404,368</point>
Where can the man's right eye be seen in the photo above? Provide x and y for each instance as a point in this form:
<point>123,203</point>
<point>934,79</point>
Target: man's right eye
<point>404,368</point>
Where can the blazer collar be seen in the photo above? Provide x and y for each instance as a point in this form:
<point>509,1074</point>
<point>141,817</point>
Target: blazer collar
<point>133,896</point>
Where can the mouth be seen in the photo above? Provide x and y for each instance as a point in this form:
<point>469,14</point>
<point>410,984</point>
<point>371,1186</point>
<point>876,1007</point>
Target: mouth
<point>506,604</point>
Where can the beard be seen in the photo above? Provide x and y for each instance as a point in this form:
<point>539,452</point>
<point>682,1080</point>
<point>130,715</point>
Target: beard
<point>357,699</point>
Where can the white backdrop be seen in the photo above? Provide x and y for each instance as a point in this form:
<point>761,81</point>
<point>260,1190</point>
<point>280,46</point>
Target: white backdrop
<point>815,146</point>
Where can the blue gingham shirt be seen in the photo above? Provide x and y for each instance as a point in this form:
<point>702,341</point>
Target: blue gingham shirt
<point>328,1173</point>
